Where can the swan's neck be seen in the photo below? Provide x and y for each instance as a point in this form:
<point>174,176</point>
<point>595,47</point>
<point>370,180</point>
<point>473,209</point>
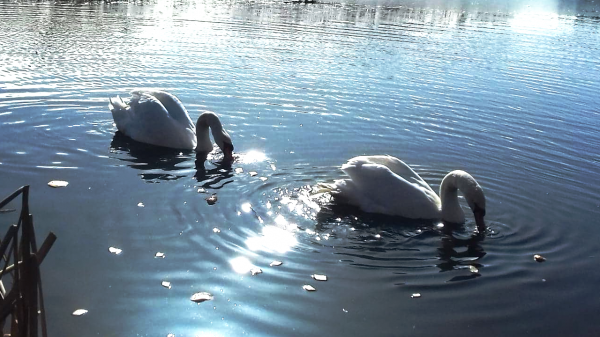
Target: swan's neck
<point>205,121</point>
<point>452,183</point>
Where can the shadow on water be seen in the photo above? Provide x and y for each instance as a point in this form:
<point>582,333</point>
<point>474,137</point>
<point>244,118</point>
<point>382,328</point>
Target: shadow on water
<point>164,164</point>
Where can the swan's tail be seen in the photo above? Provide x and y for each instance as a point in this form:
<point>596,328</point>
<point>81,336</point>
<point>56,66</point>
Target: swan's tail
<point>116,104</point>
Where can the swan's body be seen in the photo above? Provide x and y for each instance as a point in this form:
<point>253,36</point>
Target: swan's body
<point>386,185</point>
<point>159,118</point>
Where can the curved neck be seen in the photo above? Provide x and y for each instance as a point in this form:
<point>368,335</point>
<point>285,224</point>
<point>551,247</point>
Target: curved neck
<point>205,121</point>
<point>451,210</point>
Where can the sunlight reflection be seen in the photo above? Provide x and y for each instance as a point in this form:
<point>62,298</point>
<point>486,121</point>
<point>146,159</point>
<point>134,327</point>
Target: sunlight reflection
<point>273,239</point>
<point>251,157</point>
<point>241,265</point>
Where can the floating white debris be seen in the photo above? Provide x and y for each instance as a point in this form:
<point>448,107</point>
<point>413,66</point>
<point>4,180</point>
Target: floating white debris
<point>415,295</point>
<point>319,277</point>
<point>80,312</point>
<point>255,271</point>
<point>166,284</point>
<point>273,167</point>
<point>252,174</point>
<point>239,170</point>
<point>276,263</point>
<point>212,199</point>
<point>171,335</point>
<point>58,183</point>
<point>263,178</point>
<point>159,255</point>
<point>141,204</point>
<point>344,310</point>
<point>201,190</point>
<point>115,250</point>
<point>216,230</point>
<point>201,297</point>
<point>473,269</point>
<point>308,287</point>
<point>539,258</point>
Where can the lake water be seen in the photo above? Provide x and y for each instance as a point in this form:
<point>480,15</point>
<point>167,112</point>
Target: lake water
<point>505,90</point>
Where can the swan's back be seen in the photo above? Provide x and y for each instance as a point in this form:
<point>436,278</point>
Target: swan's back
<point>154,117</point>
<point>378,188</point>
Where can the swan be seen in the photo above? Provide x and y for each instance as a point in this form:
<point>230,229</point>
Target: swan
<point>386,185</point>
<point>159,118</point>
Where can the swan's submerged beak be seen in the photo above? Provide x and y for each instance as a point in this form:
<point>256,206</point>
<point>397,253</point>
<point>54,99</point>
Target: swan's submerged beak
<point>479,213</point>
<point>228,152</point>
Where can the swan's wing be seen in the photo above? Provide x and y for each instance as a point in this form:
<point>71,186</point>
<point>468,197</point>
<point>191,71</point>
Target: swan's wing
<point>375,188</point>
<point>397,166</point>
<point>171,104</point>
<point>150,122</point>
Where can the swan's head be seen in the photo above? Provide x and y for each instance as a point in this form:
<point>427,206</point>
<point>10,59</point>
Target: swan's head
<point>476,200</point>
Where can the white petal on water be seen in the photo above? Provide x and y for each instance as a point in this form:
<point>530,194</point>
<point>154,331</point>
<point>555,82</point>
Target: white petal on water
<point>255,271</point>
<point>473,269</point>
<point>319,277</point>
<point>115,250</point>
<point>539,258</point>
<point>239,170</point>
<point>166,284</point>
<point>201,297</point>
<point>415,295</point>
<point>159,255</point>
<point>141,204</point>
<point>276,263</point>
<point>58,183</point>
<point>308,287</point>
<point>252,174</point>
<point>79,312</point>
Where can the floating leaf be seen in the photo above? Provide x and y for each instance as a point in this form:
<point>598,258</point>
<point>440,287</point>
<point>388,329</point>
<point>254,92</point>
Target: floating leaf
<point>166,284</point>
<point>212,199</point>
<point>58,183</point>
<point>255,271</point>
<point>252,174</point>
<point>115,250</point>
<point>473,269</point>
<point>415,295</point>
<point>159,255</point>
<point>308,287</point>
<point>201,297</point>
<point>141,204</point>
<point>276,263</point>
<point>79,312</point>
<point>539,258</point>
<point>239,170</point>
<point>319,277</point>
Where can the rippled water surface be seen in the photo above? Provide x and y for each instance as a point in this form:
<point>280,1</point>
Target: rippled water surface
<point>507,91</point>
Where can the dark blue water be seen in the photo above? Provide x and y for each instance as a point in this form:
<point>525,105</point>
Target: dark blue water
<point>507,91</point>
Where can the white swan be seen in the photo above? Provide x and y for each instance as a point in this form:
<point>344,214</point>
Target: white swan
<point>158,118</point>
<point>386,185</point>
